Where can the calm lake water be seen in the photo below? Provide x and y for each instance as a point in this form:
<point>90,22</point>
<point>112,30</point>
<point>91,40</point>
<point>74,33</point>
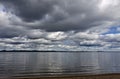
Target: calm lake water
<point>58,63</point>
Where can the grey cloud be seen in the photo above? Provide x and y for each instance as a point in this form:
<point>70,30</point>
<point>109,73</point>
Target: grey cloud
<point>86,36</point>
<point>10,32</point>
<point>111,37</point>
<point>76,43</point>
<point>93,43</point>
<point>63,15</point>
<point>30,10</point>
<point>58,23</point>
<point>24,43</point>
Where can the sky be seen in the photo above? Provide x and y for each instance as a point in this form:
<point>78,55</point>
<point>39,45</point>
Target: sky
<point>69,25</point>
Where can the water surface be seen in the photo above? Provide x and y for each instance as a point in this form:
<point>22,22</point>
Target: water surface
<point>58,63</point>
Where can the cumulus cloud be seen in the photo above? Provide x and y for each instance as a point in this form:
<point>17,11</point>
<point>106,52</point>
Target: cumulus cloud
<point>86,36</point>
<point>111,37</point>
<point>59,23</point>
<point>57,36</point>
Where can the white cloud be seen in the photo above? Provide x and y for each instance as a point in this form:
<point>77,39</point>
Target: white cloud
<point>105,4</point>
<point>56,35</point>
<point>86,36</point>
<point>4,17</point>
<point>111,37</point>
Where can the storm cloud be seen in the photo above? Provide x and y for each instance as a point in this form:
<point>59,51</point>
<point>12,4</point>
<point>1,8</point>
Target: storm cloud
<point>79,22</point>
<point>63,15</point>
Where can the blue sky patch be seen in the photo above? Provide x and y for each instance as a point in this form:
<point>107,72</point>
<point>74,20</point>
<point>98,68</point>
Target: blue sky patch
<point>112,30</point>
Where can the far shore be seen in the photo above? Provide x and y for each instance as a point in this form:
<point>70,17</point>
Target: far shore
<point>55,51</point>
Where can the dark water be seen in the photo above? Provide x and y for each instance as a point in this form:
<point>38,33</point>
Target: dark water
<point>58,63</point>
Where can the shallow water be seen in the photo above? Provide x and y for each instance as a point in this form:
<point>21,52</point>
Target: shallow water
<point>58,63</point>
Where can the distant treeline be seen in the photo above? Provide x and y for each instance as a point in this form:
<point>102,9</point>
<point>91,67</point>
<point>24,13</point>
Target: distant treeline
<point>43,51</point>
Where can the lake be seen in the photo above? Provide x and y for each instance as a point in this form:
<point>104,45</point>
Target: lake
<point>58,63</point>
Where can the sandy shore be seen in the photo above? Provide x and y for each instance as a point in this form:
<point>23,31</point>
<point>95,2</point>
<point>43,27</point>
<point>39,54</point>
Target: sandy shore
<point>102,76</point>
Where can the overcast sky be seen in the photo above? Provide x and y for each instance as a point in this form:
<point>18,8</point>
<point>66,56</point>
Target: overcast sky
<point>59,24</point>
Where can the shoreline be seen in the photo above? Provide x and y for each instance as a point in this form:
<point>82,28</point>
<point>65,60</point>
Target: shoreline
<point>98,76</point>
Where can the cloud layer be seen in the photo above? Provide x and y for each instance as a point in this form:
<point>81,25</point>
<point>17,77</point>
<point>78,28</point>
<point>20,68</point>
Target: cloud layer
<point>60,24</point>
